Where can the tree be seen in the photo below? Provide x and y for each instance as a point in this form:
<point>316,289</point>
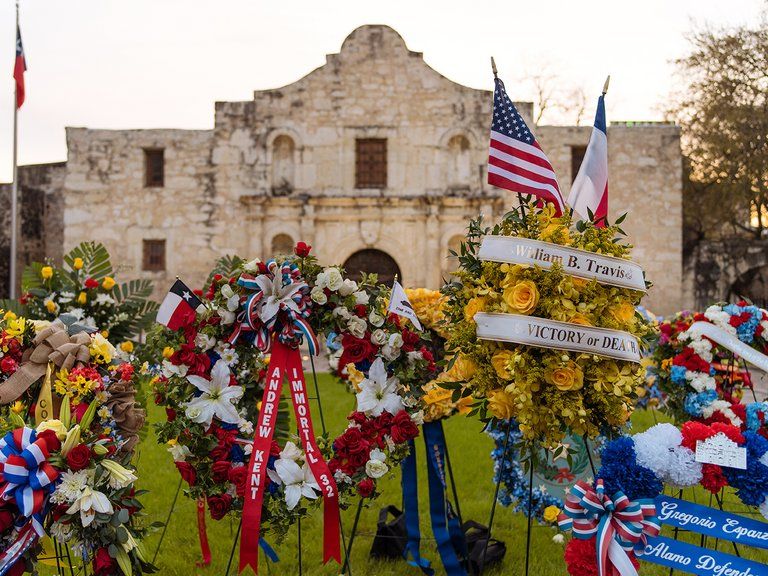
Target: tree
<point>724,115</point>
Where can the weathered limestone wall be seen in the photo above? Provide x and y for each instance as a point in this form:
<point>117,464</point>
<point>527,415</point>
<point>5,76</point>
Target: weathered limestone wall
<point>106,200</point>
<point>41,224</point>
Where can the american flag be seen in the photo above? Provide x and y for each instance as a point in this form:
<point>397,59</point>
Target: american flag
<point>516,162</point>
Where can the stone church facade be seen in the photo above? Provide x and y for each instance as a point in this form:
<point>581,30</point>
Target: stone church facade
<point>374,158</point>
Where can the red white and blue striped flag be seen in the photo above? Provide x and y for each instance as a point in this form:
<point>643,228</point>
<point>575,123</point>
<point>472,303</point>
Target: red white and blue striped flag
<point>516,162</point>
<point>19,67</point>
<point>589,192</point>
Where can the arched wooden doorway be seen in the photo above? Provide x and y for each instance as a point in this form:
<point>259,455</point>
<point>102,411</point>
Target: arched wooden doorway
<point>372,261</point>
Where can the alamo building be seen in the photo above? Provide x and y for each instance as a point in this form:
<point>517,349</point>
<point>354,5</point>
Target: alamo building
<point>375,159</point>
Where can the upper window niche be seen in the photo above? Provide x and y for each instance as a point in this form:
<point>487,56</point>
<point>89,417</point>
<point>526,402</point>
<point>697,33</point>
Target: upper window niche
<point>283,165</point>
<point>459,162</point>
<point>371,163</point>
<point>154,167</point>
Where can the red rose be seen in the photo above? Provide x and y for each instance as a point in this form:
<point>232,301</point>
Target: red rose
<point>24,298</point>
<point>198,292</point>
<point>219,505</point>
<point>90,283</point>
<point>357,417</point>
<point>237,476</point>
<point>187,472</point>
<point>8,365</point>
<point>52,441</point>
<point>361,310</point>
<point>220,470</point>
<point>170,414</point>
<point>302,249</point>
<point>366,487</point>
<point>79,411</point>
<point>403,428</point>
<point>8,514</point>
<point>79,457</point>
<point>274,449</point>
<point>104,564</point>
<point>356,349</point>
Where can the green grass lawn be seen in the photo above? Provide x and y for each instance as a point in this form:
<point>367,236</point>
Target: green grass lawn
<point>470,454</point>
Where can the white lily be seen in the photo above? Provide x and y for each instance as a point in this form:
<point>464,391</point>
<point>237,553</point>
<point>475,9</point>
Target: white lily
<point>378,392</point>
<point>276,295</point>
<point>119,476</point>
<point>291,452</point>
<point>218,398</point>
<point>90,502</point>
<point>298,481</point>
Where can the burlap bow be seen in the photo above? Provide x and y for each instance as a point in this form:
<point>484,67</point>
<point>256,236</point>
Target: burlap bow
<point>52,344</point>
<point>127,413</point>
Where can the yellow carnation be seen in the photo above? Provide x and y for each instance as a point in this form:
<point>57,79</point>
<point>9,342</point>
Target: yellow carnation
<point>568,377</point>
<point>500,363</point>
<point>551,513</point>
<point>475,305</point>
<point>46,272</point>
<point>127,346</point>
<point>77,263</point>
<point>108,283</point>
<point>500,404</point>
<point>82,298</point>
<point>522,297</point>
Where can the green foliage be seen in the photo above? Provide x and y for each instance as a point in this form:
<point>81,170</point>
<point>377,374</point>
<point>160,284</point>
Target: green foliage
<point>227,266</point>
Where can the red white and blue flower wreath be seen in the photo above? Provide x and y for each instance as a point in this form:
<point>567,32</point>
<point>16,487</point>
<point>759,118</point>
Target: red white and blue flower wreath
<point>636,468</point>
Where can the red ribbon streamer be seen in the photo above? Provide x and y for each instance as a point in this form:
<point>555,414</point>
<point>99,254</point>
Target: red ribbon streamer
<point>285,362</point>
<point>202,533</point>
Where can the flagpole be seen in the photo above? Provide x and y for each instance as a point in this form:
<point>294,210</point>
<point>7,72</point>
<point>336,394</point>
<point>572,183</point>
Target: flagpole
<point>14,186</point>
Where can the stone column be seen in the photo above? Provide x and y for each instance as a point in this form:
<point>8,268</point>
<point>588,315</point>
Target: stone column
<point>432,246</point>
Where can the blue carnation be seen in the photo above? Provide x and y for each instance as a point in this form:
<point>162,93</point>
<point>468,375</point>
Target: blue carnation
<point>621,472</point>
<point>677,374</point>
<point>696,401</point>
<point>753,416</point>
<point>236,454</point>
<point>751,484</point>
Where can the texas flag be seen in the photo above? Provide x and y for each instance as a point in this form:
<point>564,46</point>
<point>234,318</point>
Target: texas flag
<point>19,67</point>
<point>590,188</point>
<point>179,306</point>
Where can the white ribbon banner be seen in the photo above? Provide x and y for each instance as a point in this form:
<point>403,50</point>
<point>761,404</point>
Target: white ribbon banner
<point>544,333</point>
<point>730,342</point>
<point>581,263</point>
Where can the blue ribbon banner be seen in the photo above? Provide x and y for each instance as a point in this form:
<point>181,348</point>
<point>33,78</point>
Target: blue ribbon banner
<point>700,561</point>
<point>411,512</point>
<point>712,522</point>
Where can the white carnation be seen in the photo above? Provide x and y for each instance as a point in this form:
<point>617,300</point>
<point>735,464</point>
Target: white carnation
<point>318,295</point>
<point>375,319</point>
<point>379,337</point>
<point>376,468</point>
<point>347,287</point>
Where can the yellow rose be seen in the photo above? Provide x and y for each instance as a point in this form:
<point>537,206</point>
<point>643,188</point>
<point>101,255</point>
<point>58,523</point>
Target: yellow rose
<point>127,346</point>
<point>475,305</point>
<point>101,350</point>
<point>624,313</point>
<point>77,263</point>
<point>580,319</point>
<point>50,305</point>
<point>568,377</point>
<point>464,368</point>
<point>168,352</point>
<point>500,404</point>
<point>46,272</point>
<point>522,297</point>
<point>551,513</point>
<point>108,283</point>
<point>82,298</point>
<point>56,425</point>
<point>500,363</point>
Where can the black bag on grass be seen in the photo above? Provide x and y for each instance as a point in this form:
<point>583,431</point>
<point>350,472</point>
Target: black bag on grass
<point>477,538</point>
<point>391,536</point>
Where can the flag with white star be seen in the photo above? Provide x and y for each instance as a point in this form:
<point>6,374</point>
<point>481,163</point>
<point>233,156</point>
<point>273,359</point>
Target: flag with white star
<point>179,306</point>
<point>516,162</point>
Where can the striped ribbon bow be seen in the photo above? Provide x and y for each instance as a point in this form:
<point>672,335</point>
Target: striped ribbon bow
<point>278,304</point>
<point>619,524</point>
<point>26,476</point>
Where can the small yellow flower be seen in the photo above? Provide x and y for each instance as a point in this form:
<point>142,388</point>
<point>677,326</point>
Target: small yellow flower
<point>108,283</point>
<point>172,442</point>
<point>82,298</point>
<point>624,313</point>
<point>46,272</point>
<point>105,333</point>
<point>18,407</point>
<point>168,352</point>
<point>50,305</point>
<point>127,346</point>
<point>9,316</point>
<point>523,297</point>
<point>551,513</point>
<point>77,263</point>
<point>355,376</point>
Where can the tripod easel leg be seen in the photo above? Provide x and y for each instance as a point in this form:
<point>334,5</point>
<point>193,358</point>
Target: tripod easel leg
<point>167,520</point>
<point>495,498</point>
